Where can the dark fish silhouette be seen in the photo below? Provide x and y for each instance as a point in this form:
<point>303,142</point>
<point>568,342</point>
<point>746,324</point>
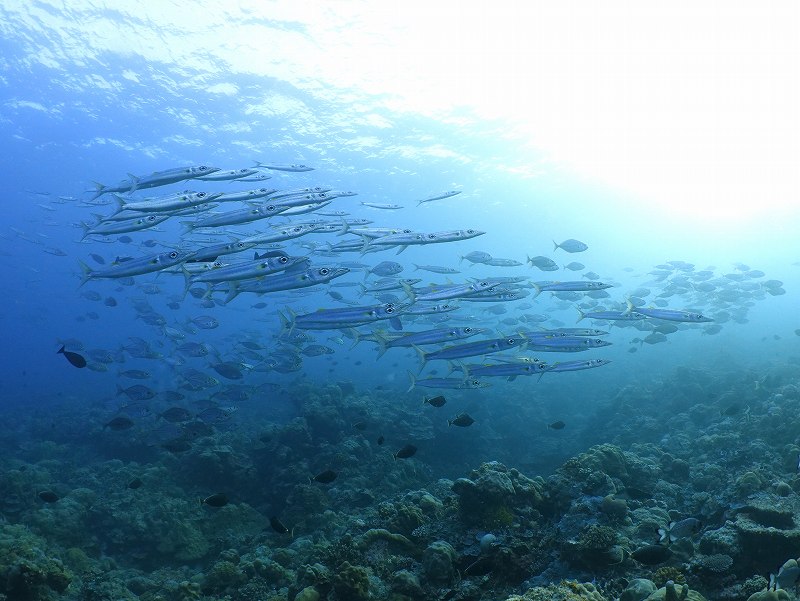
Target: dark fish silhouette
<point>380,440</point>
<point>219,499</point>
<point>48,496</point>
<point>407,451</point>
<point>119,423</point>
<point>325,477</point>
<point>463,420</point>
<point>559,425</point>
<point>135,483</point>
<point>278,526</point>
<point>74,358</point>
<point>651,555</point>
<point>437,401</point>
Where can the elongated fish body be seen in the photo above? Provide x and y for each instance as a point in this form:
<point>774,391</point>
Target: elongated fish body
<point>561,332</point>
<point>436,336</point>
<point>611,315</point>
<point>577,365</point>
<point>123,227</point>
<point>132,267</point>
<point>506,370</point>
<point>670,314</point>
<point>246,195</point>
<point>286,281</point>
<point>246,270</point>
<point>346,316</point>
<point>430,309</point>
<point>496,297</point>
<point>565,341</point>
<point>471,349</point>
<point>296,168</point>
<point>303,209</point>
<point>311,198</point>
<point>281,234</point>
<point>436,269</point>
<point>441,196</point>
<point>448,292</point>
<point>377,205</point>
<point>157,178</point>
<point>227,175</point>
<point>247,215</point>
<point>209,253</point>
<point>418,238</point>
<point>576,286</point>
<point>169,203</point>
<point>447,383</point>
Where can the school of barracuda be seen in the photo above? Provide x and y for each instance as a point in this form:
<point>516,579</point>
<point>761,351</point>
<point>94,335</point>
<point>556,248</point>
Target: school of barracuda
<point>270,243</point>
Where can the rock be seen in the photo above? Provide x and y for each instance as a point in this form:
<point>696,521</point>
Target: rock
<point>438,563</point>
<point>638,589</point>
<point>307,594</point>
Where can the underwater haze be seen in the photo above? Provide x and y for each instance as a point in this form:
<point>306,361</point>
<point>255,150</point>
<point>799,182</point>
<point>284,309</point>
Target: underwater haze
<point>351,301</point>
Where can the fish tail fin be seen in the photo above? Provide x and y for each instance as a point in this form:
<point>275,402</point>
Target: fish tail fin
<point>134,182</point>
<point>413,384</point>
<point>120,202</point>
<point>416,267</point>
<point>662,535</point>
<point>423,358</point>
<point>556,246</point>
<point>187,279</point>
<point>345,228</point>
<point>61,350</point>
<point>363,289</point>
<point>187,227</point>
<point>99,190</point>
<point>382,348</point>
<point>537,288</point>
<point>629,308</point>
<point>233,291</point>
<point>409,292</point>
<point>86,273</point>
<point>86,229</point>
<point>581,314</point>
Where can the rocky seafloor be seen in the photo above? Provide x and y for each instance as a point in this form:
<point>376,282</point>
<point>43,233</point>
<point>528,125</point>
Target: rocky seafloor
<point>720,449</point>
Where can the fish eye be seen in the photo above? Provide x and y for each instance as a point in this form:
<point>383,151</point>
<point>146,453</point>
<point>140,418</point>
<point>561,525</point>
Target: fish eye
<point>201,195</point>
<point>283,259</point>
<point>475,382</point>
<point>173,255</point>
<point>431,236</point>
<point>467,330</point>
<point>510,341</point>
<point>262,189</point>
<point>151,217</point>
<point>390,309</point>
<point>240,244</point>
<point>407,231</point>
<point>270,208</point>
<point>597,341</point>
<point>483,284</point>
<point>324,271</point>
<point>217,264</point>
<point>470,231</point>
<point>202,168</point>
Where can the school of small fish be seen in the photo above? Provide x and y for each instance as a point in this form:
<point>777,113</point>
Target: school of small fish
<point>277,245</point>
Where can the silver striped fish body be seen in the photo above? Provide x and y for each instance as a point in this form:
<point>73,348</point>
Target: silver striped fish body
<point>123,227</point>
<point>247,270</point>
<point>227,175</point>
<point>139,266</point>
<point>246,195</point>
<point>170,203</point>
<point>247,215</point>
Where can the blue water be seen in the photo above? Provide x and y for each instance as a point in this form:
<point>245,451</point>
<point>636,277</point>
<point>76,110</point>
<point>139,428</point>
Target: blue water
<point>93,94</point>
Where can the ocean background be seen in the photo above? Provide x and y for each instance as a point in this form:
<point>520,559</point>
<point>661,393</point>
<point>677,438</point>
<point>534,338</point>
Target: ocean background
<point>652,134</point>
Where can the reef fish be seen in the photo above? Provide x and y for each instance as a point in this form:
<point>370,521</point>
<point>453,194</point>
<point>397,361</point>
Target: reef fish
<point>678,530</point>
<point>325,477</point>
<point>74,358</point>
<point>407,451</point>
<point>219,499</point>
<point>462,420</point>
